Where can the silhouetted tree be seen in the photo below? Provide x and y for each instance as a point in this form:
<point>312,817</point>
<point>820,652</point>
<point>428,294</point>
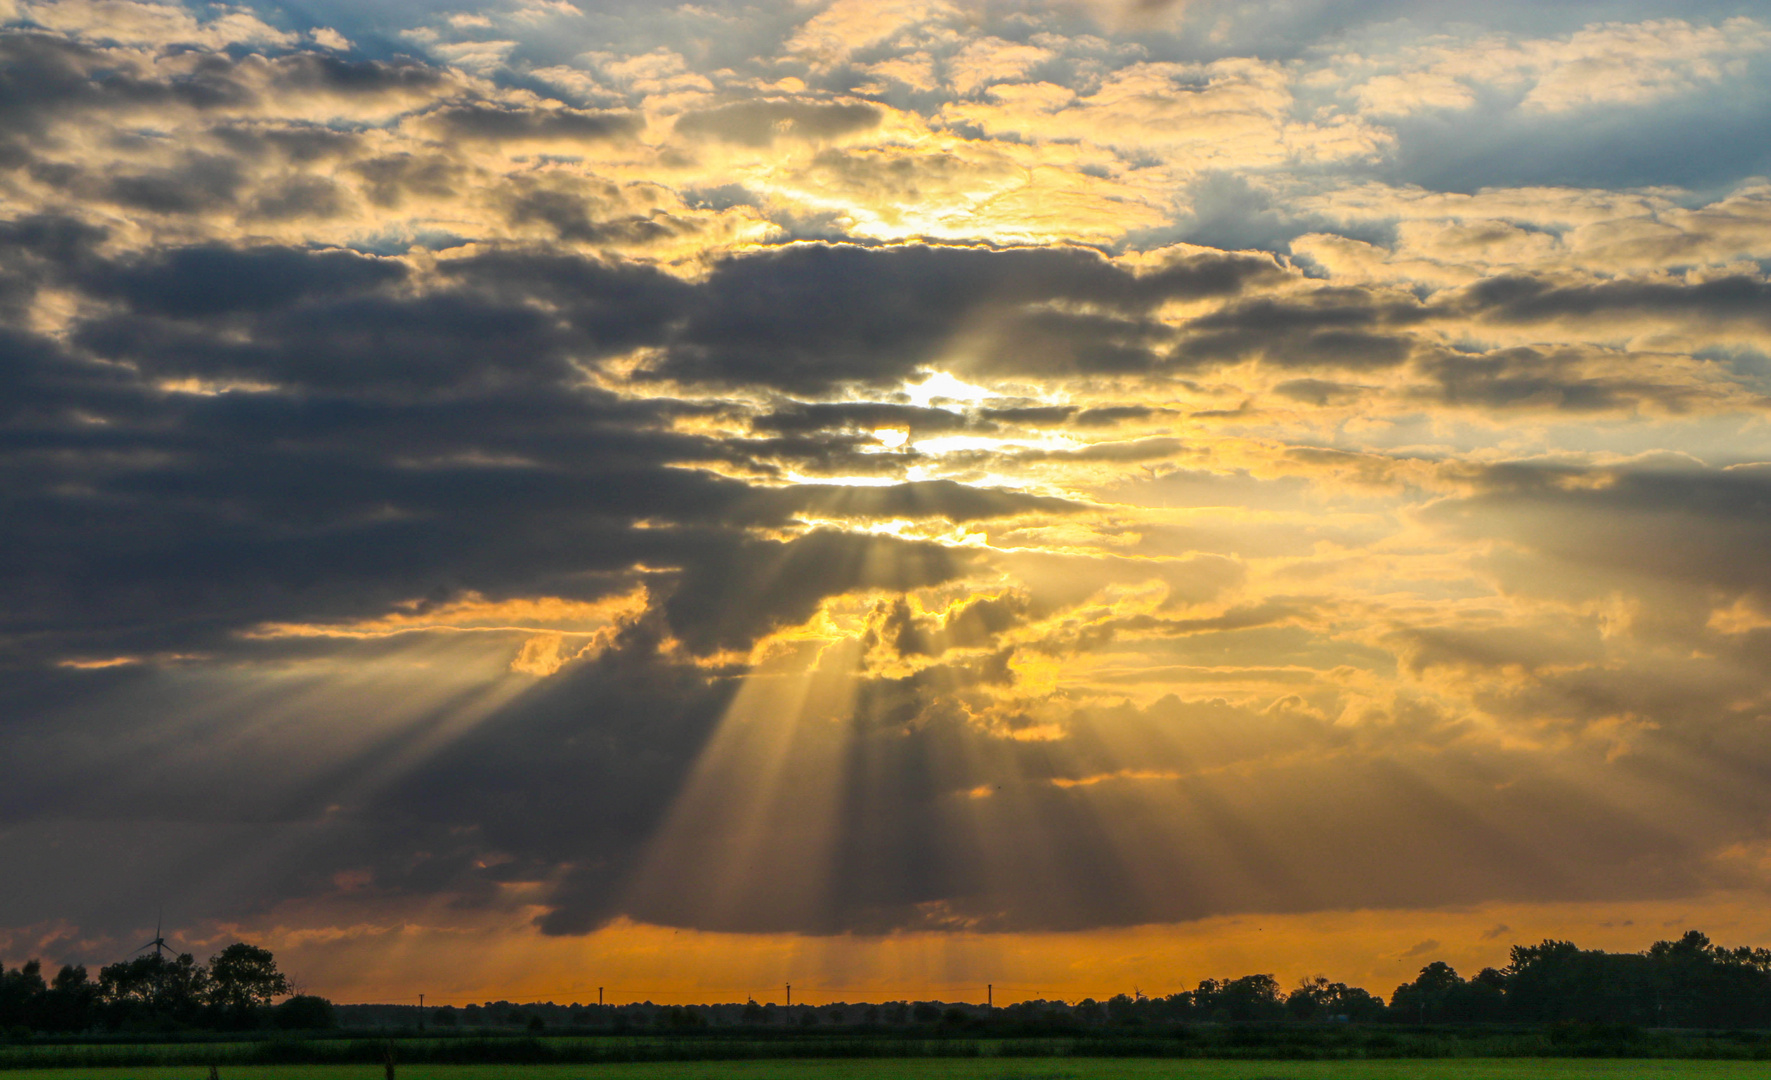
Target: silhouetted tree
<point>70,1002</point>
<point>1320,999</point>
<point>680,1019</point>
<point>21,993</point>
<point>243,979</point>
<point>151,989</point>
<point>1423,1000</point>
<point>305,1012</point>
<point>1252,997</point>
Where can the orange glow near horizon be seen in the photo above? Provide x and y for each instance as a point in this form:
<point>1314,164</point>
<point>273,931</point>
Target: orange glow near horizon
<point>492,961</point>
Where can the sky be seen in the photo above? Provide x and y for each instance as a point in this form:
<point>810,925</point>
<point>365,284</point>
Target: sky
<point>890,496</point>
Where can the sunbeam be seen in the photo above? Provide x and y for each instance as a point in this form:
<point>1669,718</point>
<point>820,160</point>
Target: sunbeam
<point>888,496</point>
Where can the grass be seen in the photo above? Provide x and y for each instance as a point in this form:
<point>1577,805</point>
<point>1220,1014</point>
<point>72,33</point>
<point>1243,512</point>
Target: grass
<point>975,1069</point>
<point>1246,1054</point>
<point>1558,1052</point>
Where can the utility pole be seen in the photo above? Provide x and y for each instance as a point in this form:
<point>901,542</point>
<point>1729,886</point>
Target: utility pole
<point>420,1012</point>
<point>790,995</point>
<point>989,995</point>
<point>599,997</point>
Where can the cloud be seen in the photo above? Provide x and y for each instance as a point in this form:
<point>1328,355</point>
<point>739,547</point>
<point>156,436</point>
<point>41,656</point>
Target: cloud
<point>1225,114</point>
<point>1692,526</point>
<point>848,26</point>
<point>1736,297</point>
<point>496,125</point>
<point>760,123</point>
<point>1442,240</point>
<point>1391,95</point>
<point>879,316</point>
<point>129,22</point>
<point>1575,380</point>
<point>1633,64</point>
<point>747,446</point>
<point>992,60</point>
<point>1601,65</point>
<point>329,38</point>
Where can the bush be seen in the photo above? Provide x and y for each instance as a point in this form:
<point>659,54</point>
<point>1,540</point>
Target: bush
<point>304,1012</point>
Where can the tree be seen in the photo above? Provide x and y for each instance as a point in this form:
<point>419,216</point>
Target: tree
<point>1252,997</point>
<point>305,1012</point>
<point>244,977</point>
<point>68,1004</point>
<point>21,991</point>
<point>1319,999</point>
<point>1558,981</point>
<point>152,986</point>
<point>1425,998</point>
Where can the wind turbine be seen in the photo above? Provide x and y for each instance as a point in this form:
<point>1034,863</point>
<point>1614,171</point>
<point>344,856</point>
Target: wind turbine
<point>159,943</point>
<point>160,950</point>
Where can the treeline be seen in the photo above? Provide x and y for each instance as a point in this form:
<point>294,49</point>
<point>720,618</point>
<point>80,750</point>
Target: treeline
<point>1685,983</point>
<point>233,992</point>
<point>1688,983</point>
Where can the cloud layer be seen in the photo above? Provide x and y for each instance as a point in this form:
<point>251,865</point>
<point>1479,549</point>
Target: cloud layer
<point>861,468</point>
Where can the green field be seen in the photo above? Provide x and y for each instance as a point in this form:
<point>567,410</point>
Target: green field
<point>986,1069</point>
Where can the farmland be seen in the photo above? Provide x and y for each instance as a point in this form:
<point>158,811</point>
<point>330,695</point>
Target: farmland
<point>976,1069</point>
<point>1233,1053</point>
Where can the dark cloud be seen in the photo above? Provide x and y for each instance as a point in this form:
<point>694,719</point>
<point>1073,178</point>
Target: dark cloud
<point>395,442</point>
<point>1318,391</point>
<point>48,77</point>
<point>922,499</point>
<point>1108,415</point>
<point>310,198</point>
<point>1527,299</point>
<point>491,123</point>
<point>357,78</point>
<point>810,317</point>
<point>199,182</point>
<point>393,178</point>
<point>733,595</point>
<point>392,443</point>
<point>1032,414</point>
<point>46,81</point>
<point>204,281</point>
<point>594,213</point>
<point>1570,380</point>
<point>1691,527</point>
<point>1333,327</point>
<point>861,416</point>
<point>606,744</point>
<point>760,123</point>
